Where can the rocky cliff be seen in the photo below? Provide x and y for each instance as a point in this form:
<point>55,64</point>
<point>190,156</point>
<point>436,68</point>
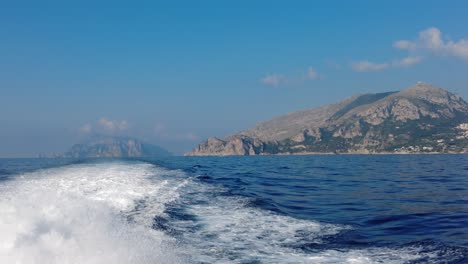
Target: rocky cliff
<point>422,118</point>
<point>114,147</point>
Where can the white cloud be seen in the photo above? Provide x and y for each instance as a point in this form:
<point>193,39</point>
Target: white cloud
<point>408,61</point>
<point>458,49</point>
<point>112,125</point>
<point>404,45</point>
<point>429,41</point>
<point>86,128</point>
<point>104,126</point>
<point>280,79</point>
<point>432,40</point>
<point>312,73</point>
<point>107,124</point>
<point>272,79</point>
<point>367,66</point>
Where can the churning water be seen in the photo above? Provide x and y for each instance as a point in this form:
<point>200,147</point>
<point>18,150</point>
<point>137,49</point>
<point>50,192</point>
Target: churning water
<point>308,209</point>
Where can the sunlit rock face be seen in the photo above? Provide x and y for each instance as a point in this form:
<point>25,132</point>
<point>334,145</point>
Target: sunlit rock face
<point>422,118</point>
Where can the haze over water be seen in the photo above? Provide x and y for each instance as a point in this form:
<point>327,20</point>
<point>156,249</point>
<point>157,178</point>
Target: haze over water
<point>176,73</point>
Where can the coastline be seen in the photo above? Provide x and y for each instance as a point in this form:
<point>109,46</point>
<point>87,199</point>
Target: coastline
<point>329,153</point>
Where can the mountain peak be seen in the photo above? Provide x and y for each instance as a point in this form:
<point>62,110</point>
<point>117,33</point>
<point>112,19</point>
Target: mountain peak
<point>100,146</point>
<point>424,88</point>
<point>421,118</point>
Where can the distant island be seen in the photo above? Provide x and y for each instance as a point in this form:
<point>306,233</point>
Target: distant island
<point>114,147</point>
<point>420,119</point>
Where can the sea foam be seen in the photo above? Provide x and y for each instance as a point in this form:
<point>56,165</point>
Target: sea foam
<point>231,229</point>
<point>80,214</point>
<point>109,213</point>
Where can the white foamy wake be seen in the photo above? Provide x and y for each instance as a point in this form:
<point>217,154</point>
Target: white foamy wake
<point>80,214</point>
<point>229,230</point>
<point>235,232</point>
<point>104,213</point>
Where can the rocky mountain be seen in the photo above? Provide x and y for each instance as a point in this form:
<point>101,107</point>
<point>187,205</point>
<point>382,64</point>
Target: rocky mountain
<point>114,147</point>
<point>420,119</point>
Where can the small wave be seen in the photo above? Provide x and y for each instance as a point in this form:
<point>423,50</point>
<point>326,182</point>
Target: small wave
<point>410,255</point>
<point>4,172</point>
<point>219,227</point>
<point>228,228</point>
<point>204,177</point>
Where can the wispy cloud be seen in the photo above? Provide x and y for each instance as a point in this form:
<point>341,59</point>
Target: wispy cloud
<point>105,126</point>
<point>86,128</point>
<point>272,79</point>
<point>408,61</point>
<point>113,125</point>
<point>429,42</point>
<point>367,66</point>
<point>432,40</point>
<point>404,45</point>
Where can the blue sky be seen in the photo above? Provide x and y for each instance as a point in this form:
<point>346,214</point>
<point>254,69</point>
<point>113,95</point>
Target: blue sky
<point>174,74</point>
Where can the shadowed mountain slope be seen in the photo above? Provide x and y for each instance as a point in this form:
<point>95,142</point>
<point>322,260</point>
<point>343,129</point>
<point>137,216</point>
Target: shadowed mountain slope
<point>422,118</point>
<point>114,147</point>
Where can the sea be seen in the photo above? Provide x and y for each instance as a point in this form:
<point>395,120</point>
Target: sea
<point>259,209</point>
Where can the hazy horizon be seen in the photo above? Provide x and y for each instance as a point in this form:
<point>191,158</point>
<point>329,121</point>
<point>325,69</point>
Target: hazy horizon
<point>175,74</point>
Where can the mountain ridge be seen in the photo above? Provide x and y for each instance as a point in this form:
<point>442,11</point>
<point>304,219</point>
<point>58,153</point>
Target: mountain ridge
<point>407,121</point>
<point>100,146</point>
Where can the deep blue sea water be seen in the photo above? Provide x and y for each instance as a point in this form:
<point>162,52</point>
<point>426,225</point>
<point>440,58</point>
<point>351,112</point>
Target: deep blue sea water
<point>267,209</point>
